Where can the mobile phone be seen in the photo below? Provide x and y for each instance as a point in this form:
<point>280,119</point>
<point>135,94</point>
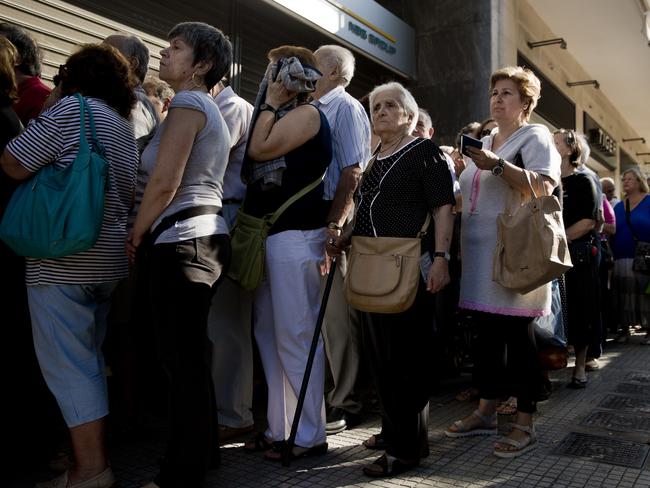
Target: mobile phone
<point>467,141</point>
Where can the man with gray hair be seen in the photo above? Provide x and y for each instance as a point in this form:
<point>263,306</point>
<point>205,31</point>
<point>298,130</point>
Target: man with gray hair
<point>143,116</point>
<point>351,150</point>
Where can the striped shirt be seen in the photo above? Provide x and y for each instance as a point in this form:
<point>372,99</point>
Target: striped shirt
<point>53,138</point>
<point>350,135</point>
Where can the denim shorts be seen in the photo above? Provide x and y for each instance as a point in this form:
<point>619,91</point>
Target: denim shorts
<point>69,326</point>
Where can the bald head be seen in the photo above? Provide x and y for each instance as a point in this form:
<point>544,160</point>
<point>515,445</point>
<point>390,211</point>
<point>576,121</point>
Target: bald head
<point>134,50</point>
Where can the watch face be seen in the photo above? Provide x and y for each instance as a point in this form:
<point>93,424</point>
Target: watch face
<point>497,170</point>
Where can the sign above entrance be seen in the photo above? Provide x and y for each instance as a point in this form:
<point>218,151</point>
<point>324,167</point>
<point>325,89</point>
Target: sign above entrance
<point>365,25</point>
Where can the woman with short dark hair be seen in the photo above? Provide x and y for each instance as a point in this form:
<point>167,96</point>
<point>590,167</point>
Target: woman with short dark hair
<point>69,297</point>
<point>187,244</point>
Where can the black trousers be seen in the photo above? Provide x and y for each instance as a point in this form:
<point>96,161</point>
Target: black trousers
<point>507,361</point>
<point>398,348</point>
<point>583,293</point>
<point>183,278</point>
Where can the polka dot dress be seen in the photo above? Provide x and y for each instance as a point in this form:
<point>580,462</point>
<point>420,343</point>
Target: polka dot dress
<point>398,191</point>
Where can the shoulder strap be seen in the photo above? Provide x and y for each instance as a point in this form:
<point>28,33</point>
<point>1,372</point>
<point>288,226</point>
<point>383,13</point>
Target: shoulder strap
<point>276,215</point>
<point>82,120</point>
<point>628,220</point>
<point>425,226</point>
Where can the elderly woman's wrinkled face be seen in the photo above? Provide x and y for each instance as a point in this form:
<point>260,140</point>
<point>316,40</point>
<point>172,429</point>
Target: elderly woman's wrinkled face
<point>388,113</point>
<point>177,63</point>
<point>630,183</point>
<point>506,104</point>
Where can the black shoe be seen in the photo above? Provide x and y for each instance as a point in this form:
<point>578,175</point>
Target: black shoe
<point>339,420</point>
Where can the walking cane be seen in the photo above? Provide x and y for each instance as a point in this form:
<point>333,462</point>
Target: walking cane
<point>288,449</point>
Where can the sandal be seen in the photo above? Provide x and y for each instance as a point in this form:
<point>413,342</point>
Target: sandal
<point>520,447</point>
<point>509,407</point>
<point>577,384</point>
<point>467,395</point>
<point>275,453</point>
<point>376,441</point>
<point>389,466</point>
<point>259,443</point>
<point>488,426</point>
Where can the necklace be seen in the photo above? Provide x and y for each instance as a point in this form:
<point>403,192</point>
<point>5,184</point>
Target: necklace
<point>391,147</point>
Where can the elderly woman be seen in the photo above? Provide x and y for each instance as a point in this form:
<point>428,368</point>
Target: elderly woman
<point>579,210</point>
<point>289,131</point>
<point>407,181</point>
<point>503,317</point>
<point>187,244</point>
<point>631,287</point>
<point>69,297</point>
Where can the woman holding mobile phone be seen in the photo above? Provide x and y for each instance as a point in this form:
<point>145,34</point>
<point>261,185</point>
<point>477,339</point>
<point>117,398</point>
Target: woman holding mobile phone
<point>503,318</point>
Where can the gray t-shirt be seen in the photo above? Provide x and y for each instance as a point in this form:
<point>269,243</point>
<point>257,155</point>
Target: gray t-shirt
<point>484,198</point>
<point>202,182</point>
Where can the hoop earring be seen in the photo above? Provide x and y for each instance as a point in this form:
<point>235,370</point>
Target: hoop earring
<point>196,85</point>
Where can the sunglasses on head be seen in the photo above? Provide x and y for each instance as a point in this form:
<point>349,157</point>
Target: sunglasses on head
<point>570,137</point>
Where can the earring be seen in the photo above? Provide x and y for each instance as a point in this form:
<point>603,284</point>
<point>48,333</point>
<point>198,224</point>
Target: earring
<point>196,85</point>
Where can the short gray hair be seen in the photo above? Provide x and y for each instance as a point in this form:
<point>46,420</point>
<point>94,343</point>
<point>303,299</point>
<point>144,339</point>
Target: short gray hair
<point>424,114</point>
<point>209,44</point>
<point>132,47</point>
<point>408,102</point>
<point>343,59</point>
<point>609,180</point>
<point>154,86</point>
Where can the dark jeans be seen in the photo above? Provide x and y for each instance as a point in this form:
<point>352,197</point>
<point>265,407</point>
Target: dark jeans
<point>183,279</point>
<point>398,347</point>
<point>507,360</point>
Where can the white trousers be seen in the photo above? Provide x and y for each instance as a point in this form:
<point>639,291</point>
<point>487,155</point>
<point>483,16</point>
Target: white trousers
<point>229,329</point>
<point>286,310</point>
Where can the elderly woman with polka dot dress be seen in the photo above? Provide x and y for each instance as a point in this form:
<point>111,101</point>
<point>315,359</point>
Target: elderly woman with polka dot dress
<point>408,180</point>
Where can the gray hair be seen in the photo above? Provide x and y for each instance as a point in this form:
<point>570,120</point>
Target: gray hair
<point>609,180</point>
<point>343,59</point>
<point>29,53</point>
<point>158,88</point>
<point>640,177</point>
<point>209,44</point>
<point>408,102</point>
<point>132,48</point>
<point>424,115</point>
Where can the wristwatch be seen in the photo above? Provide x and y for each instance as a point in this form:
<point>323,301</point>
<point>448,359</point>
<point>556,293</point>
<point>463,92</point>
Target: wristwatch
<point>334,226</point>
<point>442,254</point>
<point>497,170</point>
<point>266,106</point>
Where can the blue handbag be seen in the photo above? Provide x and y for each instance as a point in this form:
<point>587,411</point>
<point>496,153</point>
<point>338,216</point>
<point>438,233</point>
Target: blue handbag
<point>59,212</point>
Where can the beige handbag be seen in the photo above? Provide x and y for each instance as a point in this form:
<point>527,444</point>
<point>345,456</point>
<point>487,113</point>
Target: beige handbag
<point>531,246</point>
<point>384,272</point>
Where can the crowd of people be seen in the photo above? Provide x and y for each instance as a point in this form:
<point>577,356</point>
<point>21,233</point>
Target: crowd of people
<point>187,157</point>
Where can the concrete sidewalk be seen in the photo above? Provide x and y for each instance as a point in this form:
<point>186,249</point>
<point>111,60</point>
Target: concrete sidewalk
<point>593,437</point>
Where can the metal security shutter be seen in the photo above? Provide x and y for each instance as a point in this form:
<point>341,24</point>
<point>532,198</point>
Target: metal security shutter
<point>262,27</point>
<point>61,27</point>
